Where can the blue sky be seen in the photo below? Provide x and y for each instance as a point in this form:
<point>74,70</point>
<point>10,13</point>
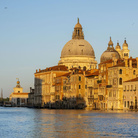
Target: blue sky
<point>33,33</point>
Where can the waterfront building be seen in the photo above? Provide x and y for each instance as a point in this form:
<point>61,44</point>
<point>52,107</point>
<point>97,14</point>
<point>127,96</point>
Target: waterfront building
<point>76,75</point>
<point>123,70</point>
<point>78,84</point>
<point>103,82</point>
<point>78,52</point>
<point>31,98</point>
<point>18,97</point>
<point>91,87</point>
<point>130,94</point>
<point>59,87</point>
<point>45,84</point>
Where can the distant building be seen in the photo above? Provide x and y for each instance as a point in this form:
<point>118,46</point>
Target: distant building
<point>18,97</point>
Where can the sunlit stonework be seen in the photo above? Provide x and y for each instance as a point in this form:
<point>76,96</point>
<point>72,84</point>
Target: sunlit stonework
<point>18,97</point>
<point>76,83</point>
<point>78,52</point>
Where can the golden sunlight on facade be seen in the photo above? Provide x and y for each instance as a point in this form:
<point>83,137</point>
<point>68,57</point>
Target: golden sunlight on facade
<point>78,52</point>
<point>18,97</point>
<point>76,82</point>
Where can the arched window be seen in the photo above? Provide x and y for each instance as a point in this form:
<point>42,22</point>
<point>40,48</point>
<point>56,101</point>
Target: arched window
<point>134,72</point>
<point>84,68</point>
<point>78,32</point>
<point>120,81</point>
<point>120,71</point>
<point>125,54</point>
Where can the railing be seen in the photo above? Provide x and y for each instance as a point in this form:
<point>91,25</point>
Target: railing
<point>108,86</point>
<point>99,81</point>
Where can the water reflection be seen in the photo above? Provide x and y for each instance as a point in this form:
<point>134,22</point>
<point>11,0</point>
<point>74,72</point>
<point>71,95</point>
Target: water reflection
<point>24,122</point>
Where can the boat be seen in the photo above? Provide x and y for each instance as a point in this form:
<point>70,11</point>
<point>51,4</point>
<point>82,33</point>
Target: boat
<point>7,104</point>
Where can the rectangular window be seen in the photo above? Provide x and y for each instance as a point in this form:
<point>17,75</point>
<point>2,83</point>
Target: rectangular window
<point>128,88</point>
<point>128,104</point>
<point>79,86</point>
<point>125,104</point>
<point>131,87</point>
<point>79,78</point>
<point>85,86</point>
<point>64,87</point>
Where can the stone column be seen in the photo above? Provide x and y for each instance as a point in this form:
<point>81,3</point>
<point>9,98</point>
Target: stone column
<point>130,62</point>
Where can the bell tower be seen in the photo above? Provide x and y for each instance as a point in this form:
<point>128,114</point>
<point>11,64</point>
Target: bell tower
<point>125,50</point>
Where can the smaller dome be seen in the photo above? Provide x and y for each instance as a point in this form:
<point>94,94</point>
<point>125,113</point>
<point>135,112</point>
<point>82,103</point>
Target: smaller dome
<point>78,25</point>
<point>18,82</point>
<point>125,45</point>
<point>117,46</point>
<point>108,54</point>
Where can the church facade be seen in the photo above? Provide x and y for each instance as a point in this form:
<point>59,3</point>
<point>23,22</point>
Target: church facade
<point>18,97</point>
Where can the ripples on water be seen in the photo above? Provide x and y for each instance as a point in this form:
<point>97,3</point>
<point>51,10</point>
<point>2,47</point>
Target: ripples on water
<point>44,123</point>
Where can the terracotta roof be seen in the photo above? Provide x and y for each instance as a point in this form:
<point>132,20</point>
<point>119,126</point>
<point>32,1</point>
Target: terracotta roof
<point>79,72</point>
<point>73,68</point>
<point>132,80</point>
<point>108,61</point>
<point>119,65</point>
<point>93,74</point>
<point>54,68</point>
<point>66,74</point>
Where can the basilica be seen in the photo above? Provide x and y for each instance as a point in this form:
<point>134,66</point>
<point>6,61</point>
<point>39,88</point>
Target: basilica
<point>77,76</point>
<point>78,52</point>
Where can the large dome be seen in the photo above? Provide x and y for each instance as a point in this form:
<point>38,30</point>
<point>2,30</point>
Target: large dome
<point>78,52</point>
<point>108,54</point>
<point>77,47</point>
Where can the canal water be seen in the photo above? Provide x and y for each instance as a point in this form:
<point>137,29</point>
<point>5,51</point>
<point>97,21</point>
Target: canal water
<point>44,123</point>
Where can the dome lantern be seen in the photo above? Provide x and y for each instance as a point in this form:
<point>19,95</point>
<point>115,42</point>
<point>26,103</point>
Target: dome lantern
<point>125,45</point>
<point>110,45</point>
<point>117,46</point>
<point>78,33</point>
